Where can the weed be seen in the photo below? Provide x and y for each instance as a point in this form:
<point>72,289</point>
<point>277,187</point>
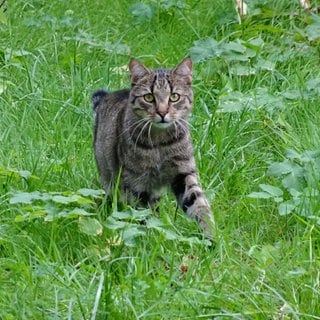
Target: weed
<point>66,254</point>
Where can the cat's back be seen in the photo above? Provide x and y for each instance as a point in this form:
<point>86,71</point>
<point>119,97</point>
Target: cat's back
<point>108,102</point>
<point>108,112</point>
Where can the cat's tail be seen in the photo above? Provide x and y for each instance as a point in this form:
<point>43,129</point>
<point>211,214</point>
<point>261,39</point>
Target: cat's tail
<point>97,97</point>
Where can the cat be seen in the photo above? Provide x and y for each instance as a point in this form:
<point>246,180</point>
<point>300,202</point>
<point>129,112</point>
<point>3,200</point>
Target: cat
<point>142,136</point>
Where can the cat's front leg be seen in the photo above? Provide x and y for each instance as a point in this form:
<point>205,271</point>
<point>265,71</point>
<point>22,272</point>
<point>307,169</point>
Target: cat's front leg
<point>193,202</point>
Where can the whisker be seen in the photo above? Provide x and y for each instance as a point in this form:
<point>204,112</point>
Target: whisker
<point>182,125</point>
<point>139,124</point>
<point>175,129</point>
<point>149,133</point>
<point>134,125</point>
<point>185,123</point>
<point>141,132</point>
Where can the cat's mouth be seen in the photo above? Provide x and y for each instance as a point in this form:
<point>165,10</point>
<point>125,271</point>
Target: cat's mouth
<point>162,125</point>
<point>162,121</point>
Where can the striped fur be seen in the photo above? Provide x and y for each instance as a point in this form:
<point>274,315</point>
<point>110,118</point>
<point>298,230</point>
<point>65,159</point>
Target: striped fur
<point>143,133</point>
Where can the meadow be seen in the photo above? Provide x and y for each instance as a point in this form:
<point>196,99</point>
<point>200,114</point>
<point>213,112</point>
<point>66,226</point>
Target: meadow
<point>67,254</point>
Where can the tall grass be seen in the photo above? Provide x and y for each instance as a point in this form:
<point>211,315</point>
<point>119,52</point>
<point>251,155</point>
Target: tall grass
<point>66,255</point>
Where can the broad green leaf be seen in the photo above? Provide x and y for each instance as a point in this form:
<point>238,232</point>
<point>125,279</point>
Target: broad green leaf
<point>292,94</point>
<point>293,182</point>
<point>169,234</point>
<point>313,31</point>
<point>121,215</point>
<point>310,155</point>
<point>51,209</point>
<point>229,106</point>
<point>114,224</point>
<point>295,193</point>
<point>254,99</point>
<point>286,207</point>
<point>69,21</point>
<point>70,199</point>
<point>64,213</point>
<point>240,70</point>
<point>40,213</point>
<point>133,214</point>
<point>265,65</point>
<point>292,154</point>
<point>313,85</point>
<point>140,214</point>
<point>260,195</point>
<point>79,212</point>
<point>64,199</point>
<point>270,102</point>
<point>234,56</point>
<point>24,174</point>
<point>274,191</point>
<point>231,51</point>
<point>142,11</point>
<point>17,173</point>
<point>118,47</point>
<point>255,43</point>
<point>278,169</point>
<point>278,199</point>
<point>91,192</point>
<point>25,197</point>
<point>154,222</point>
<point>235,46</point>
<point>234,101</point>
<point>204,49</point>
<point>34,211</point>
<point>82,200</point>
<point>21,218</point>
<point>90,226</point>
<point>129,234</point>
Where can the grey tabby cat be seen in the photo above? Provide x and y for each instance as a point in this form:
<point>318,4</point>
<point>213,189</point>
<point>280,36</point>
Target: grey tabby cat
<point>142,134</point>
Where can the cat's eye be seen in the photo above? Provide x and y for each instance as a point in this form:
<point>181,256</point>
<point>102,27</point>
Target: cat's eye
<point>174,97</point>
<point>148,97</point>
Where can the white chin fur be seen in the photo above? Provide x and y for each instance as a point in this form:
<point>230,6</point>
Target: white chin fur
<point>162,125</point>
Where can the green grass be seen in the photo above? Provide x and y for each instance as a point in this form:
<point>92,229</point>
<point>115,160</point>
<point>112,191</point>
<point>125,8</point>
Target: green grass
<point>64,255</point>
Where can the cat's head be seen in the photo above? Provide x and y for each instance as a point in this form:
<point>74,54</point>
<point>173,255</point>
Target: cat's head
<point>162,97</point>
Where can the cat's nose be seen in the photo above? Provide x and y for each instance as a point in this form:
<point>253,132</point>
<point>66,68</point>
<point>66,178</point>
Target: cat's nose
<point>162,114</point>
<point>162,109</point>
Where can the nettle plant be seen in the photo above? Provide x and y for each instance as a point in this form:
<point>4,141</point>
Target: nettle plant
<point>300,184</point>
<point>84,206</point>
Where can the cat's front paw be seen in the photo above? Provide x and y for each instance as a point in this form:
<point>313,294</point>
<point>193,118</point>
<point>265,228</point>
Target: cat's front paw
<point>199,208</point>
<point>206,222</point>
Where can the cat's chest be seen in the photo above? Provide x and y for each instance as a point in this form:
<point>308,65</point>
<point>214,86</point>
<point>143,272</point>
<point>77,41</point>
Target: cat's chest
<point>157,163</point>
<point>158,173</point>
<point>154,166</point>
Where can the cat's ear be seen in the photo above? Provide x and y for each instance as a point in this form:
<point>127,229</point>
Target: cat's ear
<point>184,70</point>
<point>137,70</point>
